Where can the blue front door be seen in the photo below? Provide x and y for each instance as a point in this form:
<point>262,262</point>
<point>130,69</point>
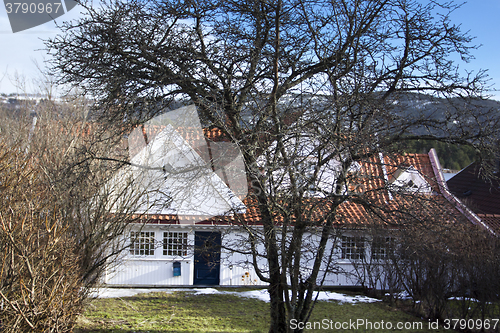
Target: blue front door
<point>207,257</point>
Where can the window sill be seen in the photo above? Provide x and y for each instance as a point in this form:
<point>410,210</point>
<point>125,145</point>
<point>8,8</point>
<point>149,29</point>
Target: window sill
<point>157,259</point>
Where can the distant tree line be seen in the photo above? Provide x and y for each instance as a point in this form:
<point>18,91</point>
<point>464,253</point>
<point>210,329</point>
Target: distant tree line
<point>451,156</point>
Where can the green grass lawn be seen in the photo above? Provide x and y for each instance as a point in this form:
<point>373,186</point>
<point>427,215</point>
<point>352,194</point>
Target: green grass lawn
<point>183,311</point>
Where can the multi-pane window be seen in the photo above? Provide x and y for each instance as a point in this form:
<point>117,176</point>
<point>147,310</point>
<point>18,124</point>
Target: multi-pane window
<point>142,243</point>
<point>353,247</point>
<point>175,243</point>
<point>382,247</point>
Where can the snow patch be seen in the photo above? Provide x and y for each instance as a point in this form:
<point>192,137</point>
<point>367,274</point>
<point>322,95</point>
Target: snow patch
<point>122,292</point>
<point>260,294</point>
<point>205,291</point>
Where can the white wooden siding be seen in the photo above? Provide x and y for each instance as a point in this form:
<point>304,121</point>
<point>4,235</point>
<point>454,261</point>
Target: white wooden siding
<point>235,268</point>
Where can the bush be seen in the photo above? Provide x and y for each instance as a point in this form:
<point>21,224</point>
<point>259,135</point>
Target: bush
<point>40,288</point>
<point>449,270</point>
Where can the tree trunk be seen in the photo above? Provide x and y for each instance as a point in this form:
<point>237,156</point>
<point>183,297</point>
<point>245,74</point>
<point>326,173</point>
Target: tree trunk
<point>277,304</point>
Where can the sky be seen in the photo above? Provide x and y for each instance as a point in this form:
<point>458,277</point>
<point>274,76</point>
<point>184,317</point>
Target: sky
<point>21,52</point>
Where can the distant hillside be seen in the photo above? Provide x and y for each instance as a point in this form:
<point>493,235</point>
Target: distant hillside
<point>411,105</point>
<point>451,156</point>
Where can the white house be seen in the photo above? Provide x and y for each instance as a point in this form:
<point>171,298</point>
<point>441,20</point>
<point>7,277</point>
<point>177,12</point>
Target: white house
<point>190,234</point>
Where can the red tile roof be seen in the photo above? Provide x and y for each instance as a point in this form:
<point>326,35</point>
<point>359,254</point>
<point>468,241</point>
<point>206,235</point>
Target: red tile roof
<point>374,207</point>
<point>482,197</point>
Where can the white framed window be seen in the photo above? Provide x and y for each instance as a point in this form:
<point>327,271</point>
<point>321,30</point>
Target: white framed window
<point>175,243</point>
<point>382,247</point>
<point>142,243</point>
<point>353,247</point>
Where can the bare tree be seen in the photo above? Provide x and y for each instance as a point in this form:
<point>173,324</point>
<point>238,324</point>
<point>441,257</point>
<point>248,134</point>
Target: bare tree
<point>307,90</point>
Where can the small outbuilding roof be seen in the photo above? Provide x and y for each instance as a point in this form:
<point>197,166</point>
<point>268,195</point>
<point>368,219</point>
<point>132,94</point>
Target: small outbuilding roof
<point>480,195</point>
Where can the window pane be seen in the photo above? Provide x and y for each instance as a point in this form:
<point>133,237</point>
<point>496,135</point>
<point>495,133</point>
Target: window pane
<point>175,243</point>
<point>353,247</point>
<point>382,247</point>
<point>142,243</point>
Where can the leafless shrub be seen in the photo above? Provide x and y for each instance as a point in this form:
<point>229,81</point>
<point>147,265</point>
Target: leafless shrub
<point>40,284</point>
<point>448,270</point>
<point>60,227</point>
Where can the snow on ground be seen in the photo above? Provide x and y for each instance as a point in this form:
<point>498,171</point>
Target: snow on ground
<point>122,292</point>
<point>260,294</point>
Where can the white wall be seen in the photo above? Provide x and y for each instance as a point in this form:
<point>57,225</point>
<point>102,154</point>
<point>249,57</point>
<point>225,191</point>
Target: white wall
<point>154,269</point>
<point>150,272</point>
<point>235,268</point>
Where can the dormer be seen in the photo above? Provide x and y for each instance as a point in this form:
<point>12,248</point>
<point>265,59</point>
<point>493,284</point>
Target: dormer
<point>410,180</point>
